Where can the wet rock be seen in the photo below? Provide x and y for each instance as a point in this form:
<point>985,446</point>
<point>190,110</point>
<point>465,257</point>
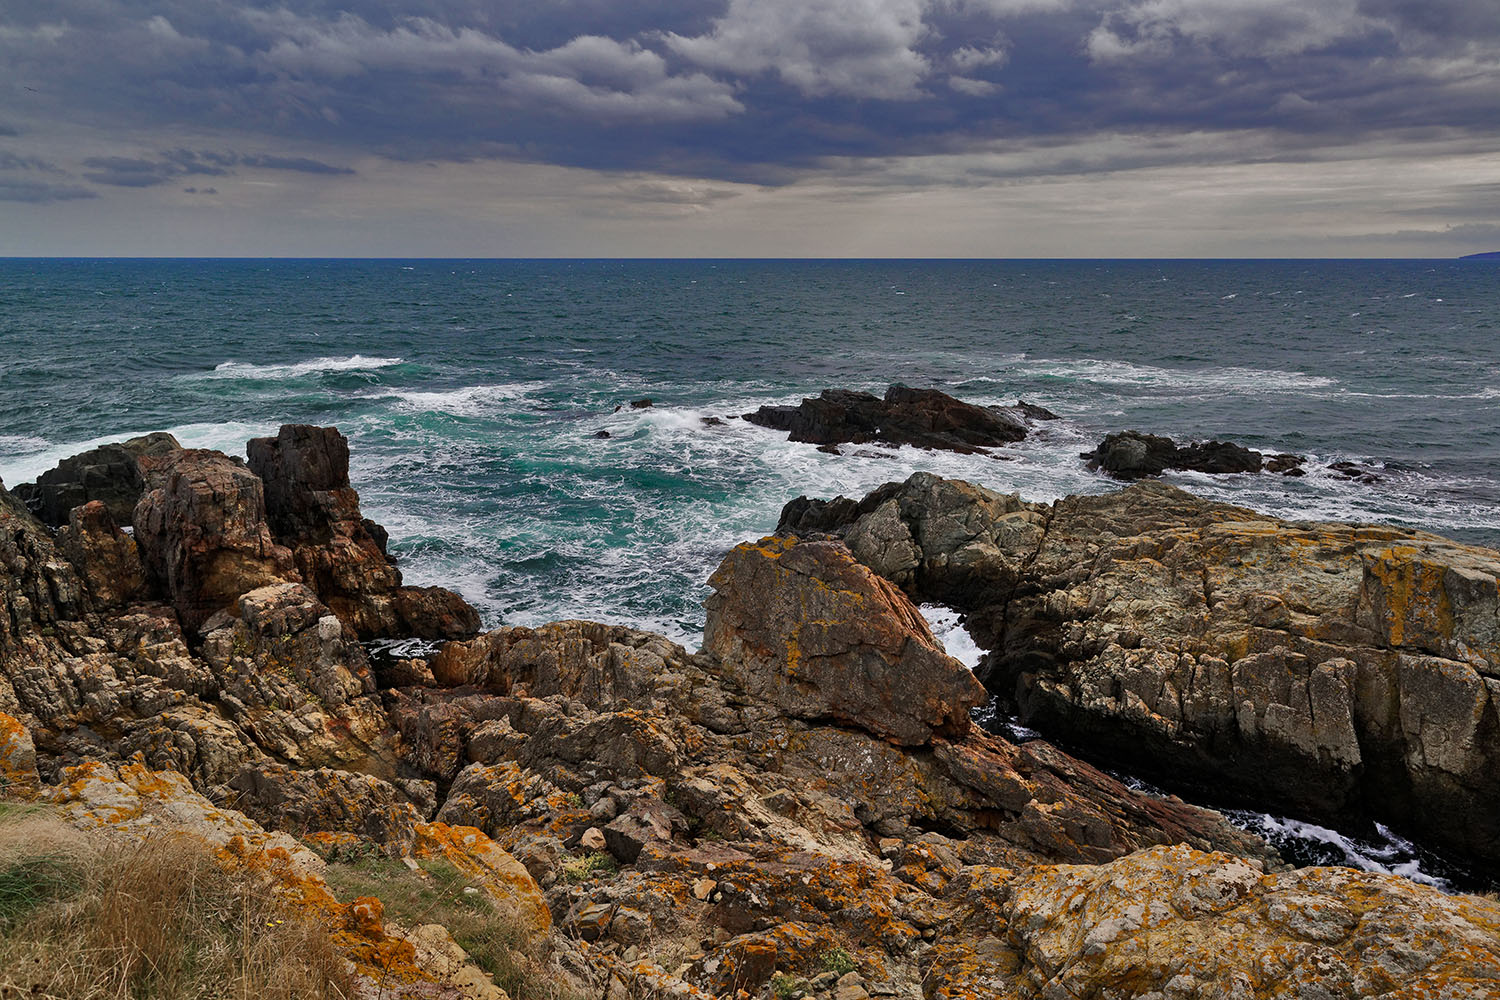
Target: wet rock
<point>112,474</point>
<point>1354,472</point>
<point>923,418</point>
<point>203,534</point>
<point>642,404</point>
<point>1133,455</point>
<point>1287,465</point>
<point>805,626</point>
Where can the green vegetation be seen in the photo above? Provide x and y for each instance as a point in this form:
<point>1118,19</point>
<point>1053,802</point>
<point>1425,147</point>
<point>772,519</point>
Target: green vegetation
<point>583,868</point>
<point>837,960</point>
<point>784,987</point>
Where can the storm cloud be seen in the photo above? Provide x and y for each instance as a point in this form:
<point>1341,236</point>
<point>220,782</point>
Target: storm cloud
<point>766,92</point>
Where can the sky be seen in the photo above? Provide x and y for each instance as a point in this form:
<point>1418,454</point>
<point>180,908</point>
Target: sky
<point>750,128</point>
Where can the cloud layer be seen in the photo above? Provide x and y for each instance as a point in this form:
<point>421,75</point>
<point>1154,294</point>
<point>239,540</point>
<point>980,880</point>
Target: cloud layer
<point>764,91</point>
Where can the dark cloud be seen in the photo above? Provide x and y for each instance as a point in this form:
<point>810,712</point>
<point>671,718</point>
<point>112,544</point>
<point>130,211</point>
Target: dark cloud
<point>757,90</point>
<point>124,171</point>
<point>7,130</point>
<point>12,161</point>
<point>40,192</point>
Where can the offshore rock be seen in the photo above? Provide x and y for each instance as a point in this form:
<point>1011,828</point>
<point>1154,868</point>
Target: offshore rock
<point>203,534</point>
<point>1179,923</point>
<point>1134,455</point>
<point>1341,672</point>
<point>923,418</point>
<point>805,626</point>
<point>314,511</point>
<point>112,474</point>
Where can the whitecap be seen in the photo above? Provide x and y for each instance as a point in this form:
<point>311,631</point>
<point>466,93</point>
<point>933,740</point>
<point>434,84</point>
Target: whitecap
<point>467,401</point>
<point>1103,371</point>
<point>1385,854</point>
<point>315,366</point>
<point>949,631</point>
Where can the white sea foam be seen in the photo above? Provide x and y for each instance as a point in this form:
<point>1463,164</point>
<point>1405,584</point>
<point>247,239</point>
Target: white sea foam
<point>1390,855</point>
<point>1222,379</point>
<point>315,366</point>
<point>467,401</point>
<point>945,625</point>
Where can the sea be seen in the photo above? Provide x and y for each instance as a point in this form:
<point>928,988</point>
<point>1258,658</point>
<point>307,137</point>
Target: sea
<point>488,402</point>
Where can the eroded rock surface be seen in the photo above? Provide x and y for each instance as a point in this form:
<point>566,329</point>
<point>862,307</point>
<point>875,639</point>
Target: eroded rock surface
<point>1339,671</point>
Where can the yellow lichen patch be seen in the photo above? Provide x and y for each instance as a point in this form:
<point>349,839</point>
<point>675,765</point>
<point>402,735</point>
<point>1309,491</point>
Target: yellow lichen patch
<point>1409,595</point>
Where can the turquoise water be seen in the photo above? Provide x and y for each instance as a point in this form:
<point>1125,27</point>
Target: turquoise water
<point>472,391</point>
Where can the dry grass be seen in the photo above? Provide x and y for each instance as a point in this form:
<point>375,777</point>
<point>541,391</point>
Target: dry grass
<point>155,919</point>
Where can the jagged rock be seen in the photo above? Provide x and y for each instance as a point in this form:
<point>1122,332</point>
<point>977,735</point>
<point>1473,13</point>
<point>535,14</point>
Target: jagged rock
<point>111,474</point>
<point>1176,922</point>
<point>203,534</point>
<point>314,511</point>
<point>295,676</point>
<point>1341,672</point>
<point>106,558</point>
<point>923,418</point>
<point>1133,455</point>
<point>805,626</point>
<point>280,797</point>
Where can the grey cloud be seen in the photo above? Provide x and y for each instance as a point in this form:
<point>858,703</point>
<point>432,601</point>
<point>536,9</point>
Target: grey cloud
<point>13,161</point>
<point>41,192</point>
<point>123,171</point>
<point>7,130</point>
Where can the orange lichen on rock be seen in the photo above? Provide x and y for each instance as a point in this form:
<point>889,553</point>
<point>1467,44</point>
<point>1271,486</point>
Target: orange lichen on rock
<point>18,777</point>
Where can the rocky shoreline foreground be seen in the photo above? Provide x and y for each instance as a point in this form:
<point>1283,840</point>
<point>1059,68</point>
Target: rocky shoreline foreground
<point>802,808</point>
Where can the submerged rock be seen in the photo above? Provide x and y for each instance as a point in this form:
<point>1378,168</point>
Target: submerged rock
<point>923,418</point>
<point>1340,672</point>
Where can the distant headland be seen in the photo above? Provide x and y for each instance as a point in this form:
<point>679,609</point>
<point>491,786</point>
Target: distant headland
<point>1491,255</point>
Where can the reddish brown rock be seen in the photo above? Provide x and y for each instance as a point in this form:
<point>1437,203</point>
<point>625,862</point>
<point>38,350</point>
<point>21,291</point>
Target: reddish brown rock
<point>105,556</point>
<point>112,474</point>
<point>805,626</point>
<point>341,555</point>
<point>203,534</point>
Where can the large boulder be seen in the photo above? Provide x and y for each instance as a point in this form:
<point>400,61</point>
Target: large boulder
<point>1337,671</point>
<point>805,626</point>
<point>924,418</point>
<point>314,511</point>
<point>112,474</point>
<point>106,557</point>
<point>203,534</point>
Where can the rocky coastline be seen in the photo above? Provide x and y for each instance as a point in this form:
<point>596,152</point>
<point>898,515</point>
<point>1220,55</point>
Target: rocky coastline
<point>803,807</point>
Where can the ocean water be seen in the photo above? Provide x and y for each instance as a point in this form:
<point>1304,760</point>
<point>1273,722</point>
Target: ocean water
<point>473,392</point>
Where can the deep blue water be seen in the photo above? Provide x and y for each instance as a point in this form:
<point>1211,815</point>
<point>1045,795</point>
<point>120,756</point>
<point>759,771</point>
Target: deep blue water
<point>472,391</point>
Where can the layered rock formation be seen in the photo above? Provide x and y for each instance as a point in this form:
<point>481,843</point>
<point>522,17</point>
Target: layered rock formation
<point>923,418</point>
<point>800,806</point>
<point>1337,671</point>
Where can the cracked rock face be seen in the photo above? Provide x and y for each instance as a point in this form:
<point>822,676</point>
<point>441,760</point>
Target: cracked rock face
<point>1338,671</point>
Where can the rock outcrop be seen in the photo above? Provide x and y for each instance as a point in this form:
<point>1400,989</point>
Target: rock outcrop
<point>112,474</point>
<point>803,804</point>
<point>923,418</point>
<point>1133,455</point>
<point>806,627</point>
<point>203,535</point>
<point>314,511</point>
<point>1341,672</point>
